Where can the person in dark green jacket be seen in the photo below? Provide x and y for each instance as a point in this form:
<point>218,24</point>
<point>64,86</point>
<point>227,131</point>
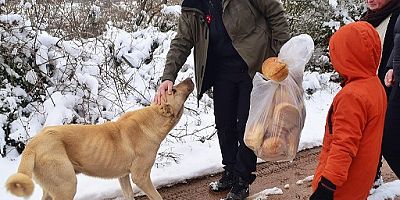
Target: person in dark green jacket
<point>231,39</point>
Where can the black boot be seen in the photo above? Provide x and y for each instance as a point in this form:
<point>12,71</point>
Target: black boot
<point>239,191</point>
<point>226,182</point>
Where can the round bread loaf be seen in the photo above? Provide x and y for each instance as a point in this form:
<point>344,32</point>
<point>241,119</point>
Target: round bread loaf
<point>254,139</point>
<point>275,69</point>
<point>274,146</point>
<point>286,117</point>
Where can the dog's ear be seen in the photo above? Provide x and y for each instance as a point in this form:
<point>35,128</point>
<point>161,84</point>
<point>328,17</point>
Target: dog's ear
<point>166,110</point>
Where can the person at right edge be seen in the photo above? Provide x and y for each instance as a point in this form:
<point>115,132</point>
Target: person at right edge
<point>354,124</point>
<point>382,14</point>
<point>391,134</point>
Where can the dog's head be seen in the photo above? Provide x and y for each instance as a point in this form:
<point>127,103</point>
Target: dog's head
<point>173,105</point>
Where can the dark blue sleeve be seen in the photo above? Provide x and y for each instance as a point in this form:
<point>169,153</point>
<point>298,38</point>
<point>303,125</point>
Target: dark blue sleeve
<point>395,61</point>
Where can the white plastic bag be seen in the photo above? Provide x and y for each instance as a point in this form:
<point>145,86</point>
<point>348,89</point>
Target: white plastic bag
<point>277,111</point>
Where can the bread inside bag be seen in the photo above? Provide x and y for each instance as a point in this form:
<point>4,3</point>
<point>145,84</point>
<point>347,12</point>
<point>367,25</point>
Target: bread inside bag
<point>277,112</point>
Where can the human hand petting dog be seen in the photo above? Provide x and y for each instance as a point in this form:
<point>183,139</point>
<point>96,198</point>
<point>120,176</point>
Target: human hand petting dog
<point>165,86</point>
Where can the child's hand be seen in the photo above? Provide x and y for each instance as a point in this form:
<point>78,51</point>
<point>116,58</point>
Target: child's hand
<point>324,190</point>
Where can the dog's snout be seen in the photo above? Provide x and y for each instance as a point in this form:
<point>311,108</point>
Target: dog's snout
<point>189,83</point>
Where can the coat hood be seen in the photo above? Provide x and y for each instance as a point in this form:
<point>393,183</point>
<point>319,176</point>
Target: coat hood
<point>355,51</point>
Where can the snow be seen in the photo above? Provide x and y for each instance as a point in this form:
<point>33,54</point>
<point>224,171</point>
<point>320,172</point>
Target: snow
<point>196,155</point>
<point>333,3</point>
<point>90,81</point>
<point>31,77</point>
<point>305,180</point>
<point>174,10</point>
<point>59,109</point>
<point>95,11</point>
<point>334,25</point>
<point>11,18</point>
<point>265,193</point>
<point>386,191</point>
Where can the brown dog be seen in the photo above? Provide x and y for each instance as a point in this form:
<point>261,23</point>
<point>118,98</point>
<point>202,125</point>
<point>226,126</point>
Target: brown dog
<point>110,150</point>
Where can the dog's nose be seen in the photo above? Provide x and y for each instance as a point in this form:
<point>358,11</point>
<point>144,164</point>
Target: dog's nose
<point>189,82</point>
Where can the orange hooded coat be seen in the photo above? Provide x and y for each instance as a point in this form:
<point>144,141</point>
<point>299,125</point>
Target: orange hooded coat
<point>353,132</point>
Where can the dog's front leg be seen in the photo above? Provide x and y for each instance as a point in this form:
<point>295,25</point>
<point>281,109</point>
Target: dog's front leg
<point>46,196</point>
<point>141,177</point>
<point>125,183</point>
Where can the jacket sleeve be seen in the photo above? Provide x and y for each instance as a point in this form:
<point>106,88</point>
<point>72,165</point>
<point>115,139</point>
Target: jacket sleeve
<point>275,15</point>
<point>180,47</point>
<point>395,56</point>
<point>349,118</point>
<point>396,47</point>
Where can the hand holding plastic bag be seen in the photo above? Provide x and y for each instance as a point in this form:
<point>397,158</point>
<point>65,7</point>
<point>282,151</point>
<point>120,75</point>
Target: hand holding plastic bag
<point>277,111</point>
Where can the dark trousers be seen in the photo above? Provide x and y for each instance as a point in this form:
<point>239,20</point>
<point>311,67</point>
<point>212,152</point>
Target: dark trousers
<point>388,90</point>
<point>231,110</point>
<point>391,133</point>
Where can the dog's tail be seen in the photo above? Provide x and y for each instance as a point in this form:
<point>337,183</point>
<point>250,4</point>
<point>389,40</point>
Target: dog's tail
<point>21,184</point>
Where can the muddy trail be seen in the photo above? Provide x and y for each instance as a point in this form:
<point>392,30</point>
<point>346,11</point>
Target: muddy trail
<point>269,175</point>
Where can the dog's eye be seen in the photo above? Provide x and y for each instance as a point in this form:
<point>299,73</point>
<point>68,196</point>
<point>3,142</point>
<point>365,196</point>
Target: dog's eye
<point>173,90</point>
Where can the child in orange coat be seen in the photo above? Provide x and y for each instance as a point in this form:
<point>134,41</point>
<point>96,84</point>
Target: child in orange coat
<point>353,132</point>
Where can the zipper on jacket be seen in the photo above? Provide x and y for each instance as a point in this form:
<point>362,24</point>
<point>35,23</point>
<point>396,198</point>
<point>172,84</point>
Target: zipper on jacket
<point>208,17</point>
<point>330,126</point>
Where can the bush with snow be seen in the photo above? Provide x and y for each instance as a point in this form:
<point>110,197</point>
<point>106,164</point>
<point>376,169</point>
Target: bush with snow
<point>320,19</point>
<point>49,80</point>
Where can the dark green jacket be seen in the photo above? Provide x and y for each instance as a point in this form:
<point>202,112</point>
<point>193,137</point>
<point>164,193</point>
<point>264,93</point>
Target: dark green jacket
<point>258,29</point>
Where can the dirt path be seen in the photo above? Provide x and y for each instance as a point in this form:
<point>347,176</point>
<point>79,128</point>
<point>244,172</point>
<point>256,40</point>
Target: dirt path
<point>269,175</point>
